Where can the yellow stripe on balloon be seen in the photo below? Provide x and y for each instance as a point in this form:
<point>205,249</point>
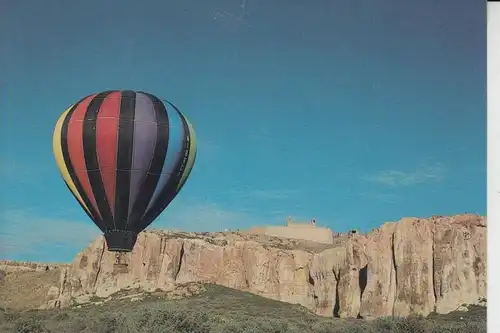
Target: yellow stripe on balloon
<point>58,154</point>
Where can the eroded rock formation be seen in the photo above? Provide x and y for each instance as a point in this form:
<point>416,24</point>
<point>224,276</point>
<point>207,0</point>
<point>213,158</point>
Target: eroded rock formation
<point>414,266</point>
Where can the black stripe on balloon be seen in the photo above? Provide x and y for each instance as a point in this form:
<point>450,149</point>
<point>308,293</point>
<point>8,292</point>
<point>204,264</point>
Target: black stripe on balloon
<point>170,190</point>
<point>94,216</point>
<point>124,158</point>
<point>91,160</point>
<point>152,177</point>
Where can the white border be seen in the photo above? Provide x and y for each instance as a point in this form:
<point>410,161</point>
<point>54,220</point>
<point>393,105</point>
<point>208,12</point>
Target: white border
<point>493,191</point>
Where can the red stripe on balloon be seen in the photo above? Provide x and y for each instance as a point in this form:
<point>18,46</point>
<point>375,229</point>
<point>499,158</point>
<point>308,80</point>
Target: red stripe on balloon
<point>75,149</point>
<point>107,143</point>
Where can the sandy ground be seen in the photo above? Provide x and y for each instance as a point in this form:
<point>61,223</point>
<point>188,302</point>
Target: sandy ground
<point>28,289</point>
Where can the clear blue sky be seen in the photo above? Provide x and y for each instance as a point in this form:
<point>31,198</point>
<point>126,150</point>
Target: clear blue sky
<point>354,113</point>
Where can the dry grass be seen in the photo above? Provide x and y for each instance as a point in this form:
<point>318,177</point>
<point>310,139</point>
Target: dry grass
<point>220,310</point>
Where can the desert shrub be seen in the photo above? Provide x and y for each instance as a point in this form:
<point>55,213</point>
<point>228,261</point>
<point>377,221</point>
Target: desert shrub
<point>30,325</point>
<point>323,327</point>
<point>69,326</point>
<point>237,327</point>
<point>105,323</point>
<point>399,325</point>
<point>9,316</point>
<point>61,316</point>
<point>173,320</point>
<point>355,329</point>
<point>140,319</point>
<point>478,326</point>
<point>414,325</point>
<point>457,326</point>
<point>275,326</point>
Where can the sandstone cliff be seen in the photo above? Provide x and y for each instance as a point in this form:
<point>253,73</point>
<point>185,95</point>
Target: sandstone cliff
<point>414,266</point>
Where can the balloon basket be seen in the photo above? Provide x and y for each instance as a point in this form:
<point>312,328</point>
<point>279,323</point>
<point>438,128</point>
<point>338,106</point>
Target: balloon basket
<point>120,265</point>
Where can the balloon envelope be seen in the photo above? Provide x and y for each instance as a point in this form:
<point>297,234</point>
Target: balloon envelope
<point>124,155</point>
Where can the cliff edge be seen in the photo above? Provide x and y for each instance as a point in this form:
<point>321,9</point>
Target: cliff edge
<point>411,267</point>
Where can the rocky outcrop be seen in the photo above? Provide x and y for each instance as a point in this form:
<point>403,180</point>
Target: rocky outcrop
<point>414,266</point>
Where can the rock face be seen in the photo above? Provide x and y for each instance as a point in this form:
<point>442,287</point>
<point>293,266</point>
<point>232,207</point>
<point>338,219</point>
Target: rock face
<point>415,266</point>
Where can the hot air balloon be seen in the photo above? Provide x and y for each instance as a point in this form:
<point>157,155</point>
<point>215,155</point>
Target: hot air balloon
<point>124,155</point>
